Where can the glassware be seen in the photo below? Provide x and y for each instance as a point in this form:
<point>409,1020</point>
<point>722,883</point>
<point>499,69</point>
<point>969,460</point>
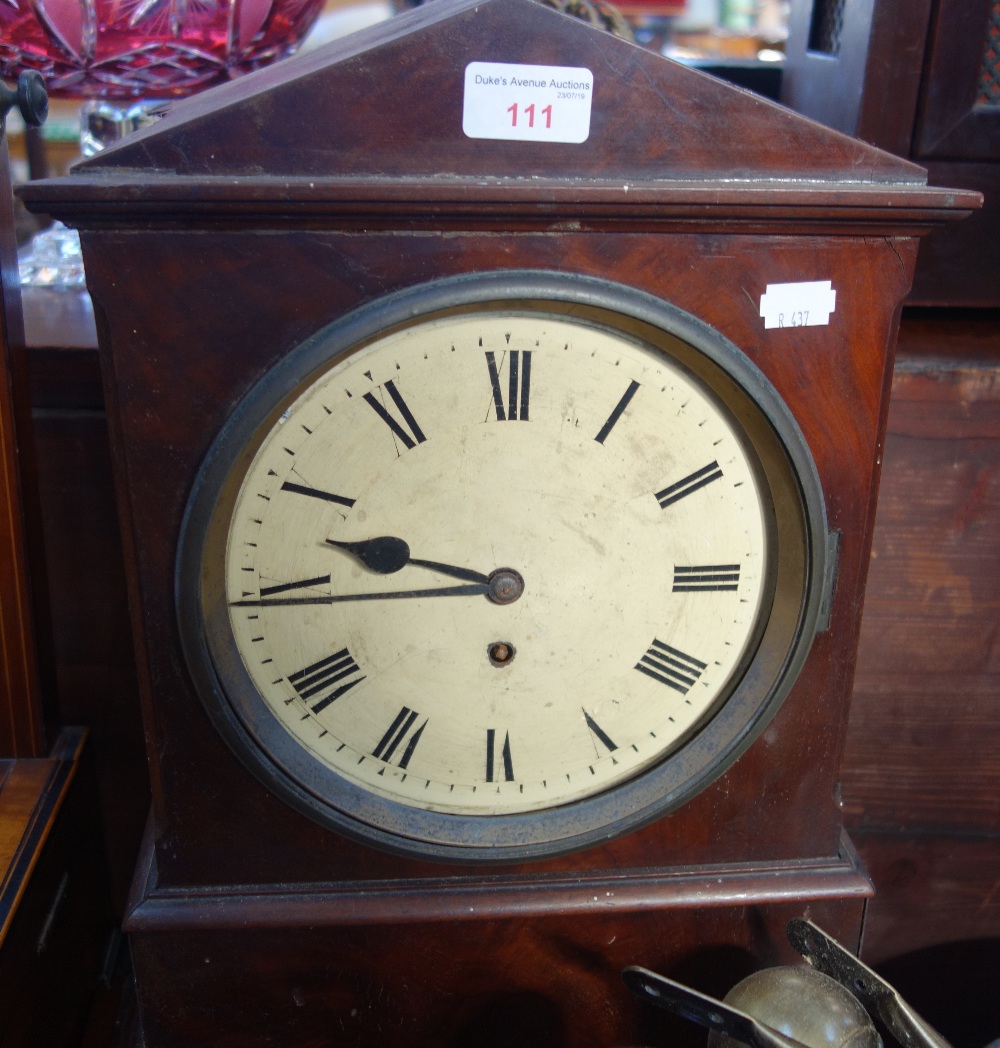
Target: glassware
<point>53,259</point>
<point>129,49</point>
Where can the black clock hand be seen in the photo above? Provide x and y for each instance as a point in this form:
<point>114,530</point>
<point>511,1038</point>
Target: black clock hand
<point>503,586</point>
<point>471,590</point>
<point>387,554</point>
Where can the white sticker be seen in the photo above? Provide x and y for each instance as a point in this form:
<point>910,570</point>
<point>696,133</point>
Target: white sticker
<point>805,304</point>
<point>527,103</point>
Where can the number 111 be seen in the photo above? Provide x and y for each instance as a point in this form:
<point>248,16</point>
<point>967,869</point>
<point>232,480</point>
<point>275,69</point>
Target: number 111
<point>529,111</point>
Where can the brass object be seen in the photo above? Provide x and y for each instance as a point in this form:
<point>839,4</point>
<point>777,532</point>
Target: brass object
<point>829,1004</point>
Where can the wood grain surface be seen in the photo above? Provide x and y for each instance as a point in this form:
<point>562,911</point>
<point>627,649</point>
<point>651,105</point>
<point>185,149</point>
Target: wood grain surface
<point>922,744</point>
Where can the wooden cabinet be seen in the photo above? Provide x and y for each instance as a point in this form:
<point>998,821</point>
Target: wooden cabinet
<point>56,925</point>
<point>916,77</point>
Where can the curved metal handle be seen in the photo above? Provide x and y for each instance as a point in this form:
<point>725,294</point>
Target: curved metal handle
<point>878,996</point>
<point>704,1010</point>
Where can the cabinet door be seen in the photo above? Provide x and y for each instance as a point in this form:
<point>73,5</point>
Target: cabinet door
<point>959,118</point>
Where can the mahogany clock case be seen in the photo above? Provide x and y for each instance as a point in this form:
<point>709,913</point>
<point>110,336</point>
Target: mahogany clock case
<point>171,444</point>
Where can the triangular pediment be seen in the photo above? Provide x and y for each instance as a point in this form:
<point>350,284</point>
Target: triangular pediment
<point>389,102</point>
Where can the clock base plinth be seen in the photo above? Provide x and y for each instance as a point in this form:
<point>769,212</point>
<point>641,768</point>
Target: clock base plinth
<point>518,959</point>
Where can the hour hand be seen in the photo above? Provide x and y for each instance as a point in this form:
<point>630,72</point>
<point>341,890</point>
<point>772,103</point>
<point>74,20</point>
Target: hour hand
<point>387,554</point>
<point>384,555</point>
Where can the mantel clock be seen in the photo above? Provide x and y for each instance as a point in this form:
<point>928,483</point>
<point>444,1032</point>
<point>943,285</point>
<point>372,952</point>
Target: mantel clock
<point>497,411</point>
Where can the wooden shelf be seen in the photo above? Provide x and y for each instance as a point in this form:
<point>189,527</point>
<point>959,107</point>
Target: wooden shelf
<point>32,791</point>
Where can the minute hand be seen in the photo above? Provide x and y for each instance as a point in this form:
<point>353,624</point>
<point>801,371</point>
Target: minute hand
<point>472,590</point>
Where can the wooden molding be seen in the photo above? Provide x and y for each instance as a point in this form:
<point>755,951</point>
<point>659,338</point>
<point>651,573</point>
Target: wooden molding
<point>514,896</point>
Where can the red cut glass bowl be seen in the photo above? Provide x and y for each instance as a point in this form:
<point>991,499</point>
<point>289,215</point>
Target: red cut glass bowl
<point>121,49</point>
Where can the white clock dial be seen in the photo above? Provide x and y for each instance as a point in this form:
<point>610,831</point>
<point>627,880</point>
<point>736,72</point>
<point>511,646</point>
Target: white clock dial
<point>614,488</point>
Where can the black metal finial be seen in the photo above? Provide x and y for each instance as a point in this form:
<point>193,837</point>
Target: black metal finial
<point>29,96</point>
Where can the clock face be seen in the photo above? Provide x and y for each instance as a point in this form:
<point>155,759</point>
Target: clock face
<point>478,570</point>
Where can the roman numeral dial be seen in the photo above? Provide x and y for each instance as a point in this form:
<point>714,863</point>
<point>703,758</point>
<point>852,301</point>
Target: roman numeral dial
<point>706,578</point>
<point>511,398</point>
<point>322,683</point>
<point>688,485</point>
<point>617,412</point>
<point>492,562</point>
<point>499,762</point>
<point>316,493</point>
<point>397,417</point>
<point>670,667</point>
<point>402,735</point>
